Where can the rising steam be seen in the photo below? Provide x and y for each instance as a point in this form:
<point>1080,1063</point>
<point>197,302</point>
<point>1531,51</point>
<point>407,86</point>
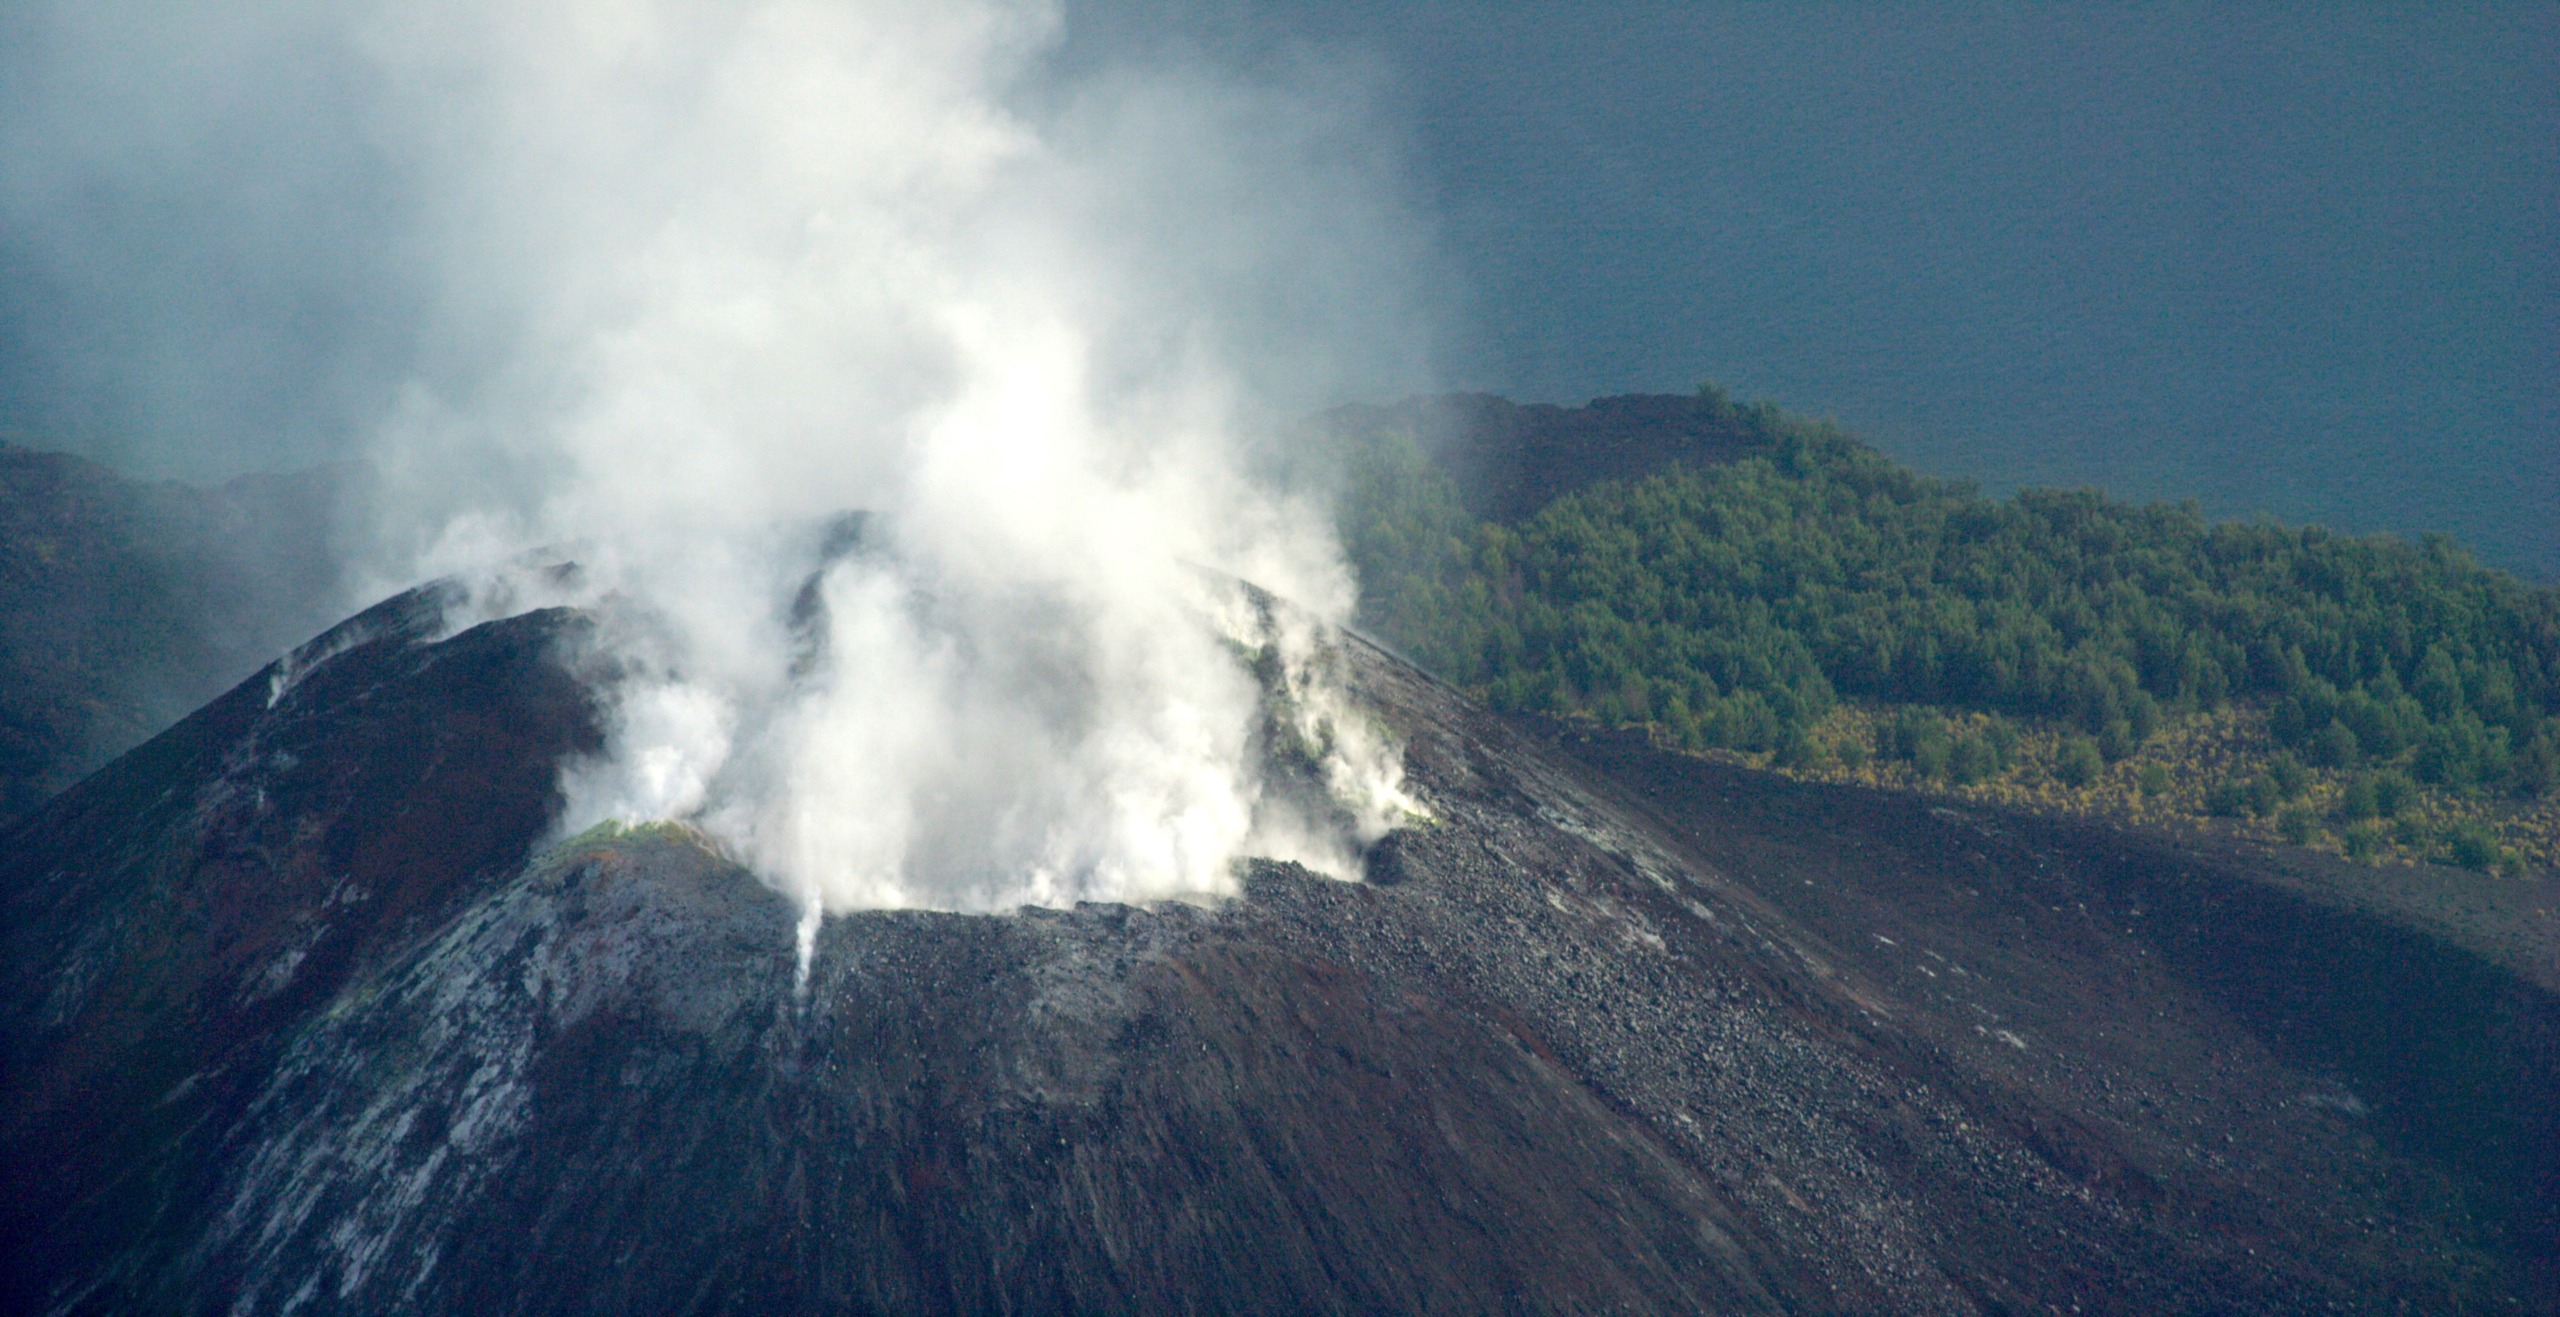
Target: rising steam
<point>881,381</point>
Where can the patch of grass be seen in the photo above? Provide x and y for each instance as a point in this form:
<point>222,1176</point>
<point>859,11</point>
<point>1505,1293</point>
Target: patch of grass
<point>2218,766</point>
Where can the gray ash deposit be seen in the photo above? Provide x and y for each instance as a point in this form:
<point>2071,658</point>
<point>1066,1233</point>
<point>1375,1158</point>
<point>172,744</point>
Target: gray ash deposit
<point>306,1009</point>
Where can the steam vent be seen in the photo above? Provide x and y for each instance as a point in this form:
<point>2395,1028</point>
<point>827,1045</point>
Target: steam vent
<point>305,1011</point>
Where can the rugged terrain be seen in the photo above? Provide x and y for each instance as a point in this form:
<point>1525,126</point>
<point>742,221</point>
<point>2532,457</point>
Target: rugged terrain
<point>124,604</point>
<point>304,1008</point>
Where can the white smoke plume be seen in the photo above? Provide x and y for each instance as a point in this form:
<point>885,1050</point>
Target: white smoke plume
<point>882,379</point>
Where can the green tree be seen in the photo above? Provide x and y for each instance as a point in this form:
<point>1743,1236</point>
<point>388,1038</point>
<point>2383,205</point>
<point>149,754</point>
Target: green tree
<point>2079,763</point>
<point>1815,569</point>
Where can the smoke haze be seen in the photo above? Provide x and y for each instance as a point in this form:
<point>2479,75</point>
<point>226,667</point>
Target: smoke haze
<point>682,285</point>
<point>2292,261</point>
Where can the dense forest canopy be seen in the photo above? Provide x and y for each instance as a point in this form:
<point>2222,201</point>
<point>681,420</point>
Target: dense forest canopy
<point>1731,604</point>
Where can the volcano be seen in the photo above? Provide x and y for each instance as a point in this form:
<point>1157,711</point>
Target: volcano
<point>308,1009</point>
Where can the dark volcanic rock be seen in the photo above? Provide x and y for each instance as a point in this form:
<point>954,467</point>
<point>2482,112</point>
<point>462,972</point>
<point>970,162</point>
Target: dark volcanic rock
<point>303,1012</point>
<point>124,603</point>
<point>172,921</point>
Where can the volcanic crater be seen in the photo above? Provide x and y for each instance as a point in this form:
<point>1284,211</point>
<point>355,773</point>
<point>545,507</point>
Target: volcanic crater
<point>309,1009</point>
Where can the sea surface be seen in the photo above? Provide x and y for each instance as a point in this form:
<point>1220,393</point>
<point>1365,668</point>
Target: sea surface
<point>2300,261</point>
<point>2290,260</point>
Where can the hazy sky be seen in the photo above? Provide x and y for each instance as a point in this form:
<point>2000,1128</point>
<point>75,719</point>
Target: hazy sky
<point>2300,259</point>
<point>672,285</point>
<point>2295,259</point>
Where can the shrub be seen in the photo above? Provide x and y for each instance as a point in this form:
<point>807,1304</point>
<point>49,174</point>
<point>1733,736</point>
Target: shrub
<point>2333,746</point>
<point>2358,800</point>
<point>2537,766</point>
<point>2142,716</point>
<point>2153,779</point>
<point>1912,731</point>
<point>2263,794</point>
<point>1743,721</point>
<point>2294,825</point>
<point>2004,741</point>
<point>2383,727</point>
<point>2392,793</point>
<point>2472,846</point>
<point>2289,774</point>
<point>1972,759</point>
<point>2364,840</point>
<point>2080,763</point>
<point>2461,751</point>
<point>2228,798</point>
<point>1798,750</point>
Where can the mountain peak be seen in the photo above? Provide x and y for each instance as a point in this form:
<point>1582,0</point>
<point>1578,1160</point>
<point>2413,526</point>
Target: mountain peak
<point>306,1008</point>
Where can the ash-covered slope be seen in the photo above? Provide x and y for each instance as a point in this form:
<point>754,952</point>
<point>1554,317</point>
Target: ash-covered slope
<point>300,1013</point>
<point>126,603</point>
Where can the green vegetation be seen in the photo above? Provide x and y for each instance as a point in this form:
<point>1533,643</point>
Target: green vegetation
<point>1737,607</point>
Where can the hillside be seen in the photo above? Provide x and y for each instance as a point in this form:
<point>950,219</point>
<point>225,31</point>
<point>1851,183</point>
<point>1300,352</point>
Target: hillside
<point>1743,583</point>
<point>306,1009</point>
<point>1505,460</point>
<point>125,604</point>
<point>1772,590</point>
